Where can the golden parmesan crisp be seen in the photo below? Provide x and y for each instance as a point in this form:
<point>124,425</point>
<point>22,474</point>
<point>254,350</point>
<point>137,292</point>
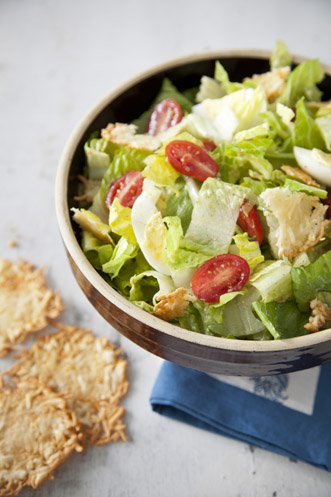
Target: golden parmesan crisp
<point>301,175</point>
<point>172,305</point>
<point>37,433</point>
<point>321,313</point>
<point>273,82</point>
<point>88,371</point>
<point>125,134</point>
<point>26,304</point>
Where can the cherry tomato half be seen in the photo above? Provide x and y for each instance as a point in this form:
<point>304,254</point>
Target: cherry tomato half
<point>209,146</point>
<point>164,115</point>
<point>222,274</point>
<point>191,160</point>
<point>250,222</point>
<point>127,188</point>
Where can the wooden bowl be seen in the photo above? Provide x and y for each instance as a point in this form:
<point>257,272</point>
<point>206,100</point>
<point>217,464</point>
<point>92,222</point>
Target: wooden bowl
<point>194,350</point>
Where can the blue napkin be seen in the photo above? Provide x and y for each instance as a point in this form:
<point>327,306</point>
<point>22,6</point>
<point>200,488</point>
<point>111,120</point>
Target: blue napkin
<point>289,414</point>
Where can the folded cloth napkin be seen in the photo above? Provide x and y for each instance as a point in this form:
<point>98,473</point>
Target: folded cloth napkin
<point>289,414</point>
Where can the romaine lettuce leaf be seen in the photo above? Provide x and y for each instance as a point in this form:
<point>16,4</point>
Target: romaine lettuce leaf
<point>247,249</point>
<point>307,134</point>
<point>280,56</point>
<point>215,215</point>
<point>273,281</point>
<point>209,88</point>
<point>307,281</point>
<point>160,170</point>
<point>302,83</point>
<point>180,255</point>
<point>96,251</point>
<point>177,202</point>
<point>120,221</point>
<point>99,153</point>
<point>149,285</point>
<point>324,125</point>
<point>123,252</point>
<point>282,319</point>
<point>297,186</point>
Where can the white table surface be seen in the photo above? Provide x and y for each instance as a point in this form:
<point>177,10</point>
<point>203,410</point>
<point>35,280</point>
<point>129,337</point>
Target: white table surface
<point>57,58</point>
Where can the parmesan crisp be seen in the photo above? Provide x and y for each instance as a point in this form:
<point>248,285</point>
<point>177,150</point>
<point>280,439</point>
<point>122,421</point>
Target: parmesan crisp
<point>26,304</point>
<point>88,371</point>
<point>37,433</point>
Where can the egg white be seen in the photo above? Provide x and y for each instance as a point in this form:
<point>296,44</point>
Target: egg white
<point>142,211</point>
<point>306,161</point>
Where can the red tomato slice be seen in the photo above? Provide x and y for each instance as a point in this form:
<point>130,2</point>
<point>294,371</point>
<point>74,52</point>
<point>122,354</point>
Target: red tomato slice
<point>127,188</point>
<point>250,222</point>
<point>222,274</point>
<point>164,115</point>
<point>209,146</point>
<point>191,160</point>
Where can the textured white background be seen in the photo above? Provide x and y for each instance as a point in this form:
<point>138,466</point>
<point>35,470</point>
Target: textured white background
<point>57,58</point>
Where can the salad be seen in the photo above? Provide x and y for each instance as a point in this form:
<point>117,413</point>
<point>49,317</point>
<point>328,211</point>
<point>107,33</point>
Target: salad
<point>211,210</point>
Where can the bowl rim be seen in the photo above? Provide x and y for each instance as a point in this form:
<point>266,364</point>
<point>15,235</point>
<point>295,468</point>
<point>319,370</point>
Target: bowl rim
<point>75,251</point>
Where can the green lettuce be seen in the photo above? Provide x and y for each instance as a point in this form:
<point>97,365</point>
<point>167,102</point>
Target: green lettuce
<point>280,56</point>
<point>96,251</point>
<point>247,249</point>
<point>307,133</point>
<point>273,281</point>
<point>123,252</point>
<point>302,83</point>
<point>297,186</point>
<point>179,254</point>
<point>149,285</point>
<point>235,319</point>
<point>215,215</point>
<point>282,319</point>
<point>307,281</point>
<point>209,88</point>
<point>177,202</point>
<point>120,221</point>
<point>99,153</point>
<point>324,125</point>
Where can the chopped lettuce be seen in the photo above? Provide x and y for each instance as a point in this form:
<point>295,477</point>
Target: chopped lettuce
<point>307,134</point>
<point>302,83</point>
<point>280,56</point>
<point>249,250</point>
<point>99,153</point>
<point>324,125</point>
<point>282,319</point>
<point>120,221</point>
<point>180,255</point>
<point>96,251</point>
<point>307,281</point>
<point>123,252</point>
<point>149,285</point>
<point>297,186</point>
<point>177,202</point>
<point>209,88</point>
<point>215,215</point>
<point>273,281</point>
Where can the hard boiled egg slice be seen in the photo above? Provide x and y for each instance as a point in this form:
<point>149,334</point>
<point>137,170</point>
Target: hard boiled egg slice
<point>315,162</point>
<point>150,232</point>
